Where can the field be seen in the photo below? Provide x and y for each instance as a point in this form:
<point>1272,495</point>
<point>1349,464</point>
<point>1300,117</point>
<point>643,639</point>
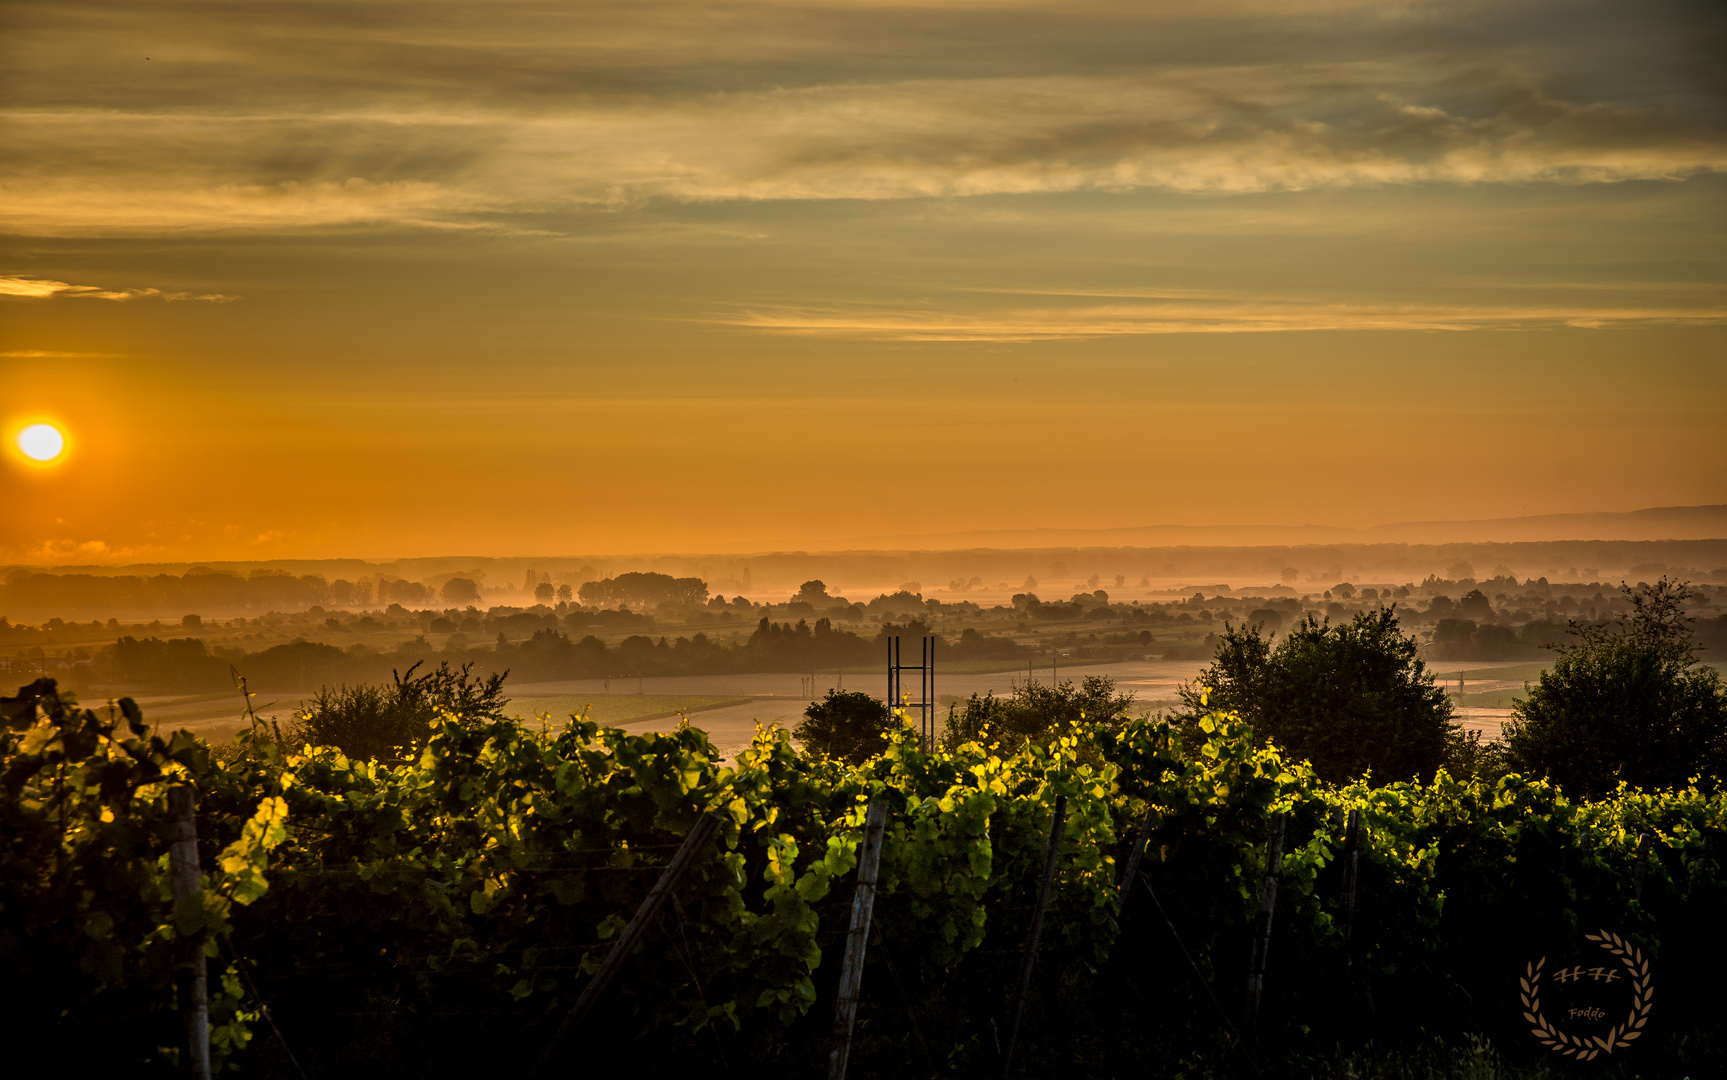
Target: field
<point>618,710</point>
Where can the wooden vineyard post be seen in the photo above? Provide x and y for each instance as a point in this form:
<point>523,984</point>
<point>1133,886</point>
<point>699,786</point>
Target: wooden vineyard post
<point>1355,978</point>
<point>183,866</point>
<point>857,938</point>
<point>1127,879</point>
<point>626,943</point>
<point>1036,932</point>
<point>1351,863</point>
<point>1262,924</point>
<point>1640,867</point>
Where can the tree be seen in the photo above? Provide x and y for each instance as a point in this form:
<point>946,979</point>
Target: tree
<point>1351,698</point>
<point>407,592</point>
<point>1475,605</point>
<point>1036,711</point>
<point>461,590</point>
<point>846,724</point>
<point>565,593</point>
<point>543,592</point>
<point>1625,701</point>
<point>647,589</point>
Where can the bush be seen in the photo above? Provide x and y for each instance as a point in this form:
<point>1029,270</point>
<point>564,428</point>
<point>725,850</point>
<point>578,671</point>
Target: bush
<point>1352,699</point>
<point>1625,702</point>
<point>1035,712</point>
<point>392,723</point>
<point>846,725</point>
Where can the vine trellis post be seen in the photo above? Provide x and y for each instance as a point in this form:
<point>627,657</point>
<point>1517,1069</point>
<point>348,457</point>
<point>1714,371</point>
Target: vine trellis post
<point>626,943</point>
<point>1262,923</point>
<point>1351,864</point>
<point>1133,859</point>
<point>857,939</point>
<point>187,881</point>
<point>1055,827</point>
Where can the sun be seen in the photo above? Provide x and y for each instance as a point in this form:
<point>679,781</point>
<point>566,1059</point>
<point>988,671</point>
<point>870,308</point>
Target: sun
<point>41,442</point>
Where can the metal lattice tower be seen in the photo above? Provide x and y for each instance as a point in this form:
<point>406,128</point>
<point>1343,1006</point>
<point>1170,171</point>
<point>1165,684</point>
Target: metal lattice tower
<point>924,704</point>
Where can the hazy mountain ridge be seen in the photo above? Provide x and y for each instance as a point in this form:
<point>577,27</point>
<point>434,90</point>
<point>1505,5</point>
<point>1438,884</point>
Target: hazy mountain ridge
<point>1655,523</point>
<point>987,575</point>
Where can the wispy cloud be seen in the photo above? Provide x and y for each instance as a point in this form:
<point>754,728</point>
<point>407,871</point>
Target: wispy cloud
<point>68,550</point>
<point>1178,314</point>
<point>43,288</point>
<point>49,354</point>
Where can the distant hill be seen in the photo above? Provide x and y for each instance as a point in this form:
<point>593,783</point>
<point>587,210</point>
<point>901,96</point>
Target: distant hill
<point>1658,523</point>
<point>1688,542</point>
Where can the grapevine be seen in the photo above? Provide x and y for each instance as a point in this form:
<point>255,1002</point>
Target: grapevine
<point>489,877</point>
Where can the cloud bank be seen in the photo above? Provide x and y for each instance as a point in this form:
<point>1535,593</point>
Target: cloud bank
<point>439,116</point>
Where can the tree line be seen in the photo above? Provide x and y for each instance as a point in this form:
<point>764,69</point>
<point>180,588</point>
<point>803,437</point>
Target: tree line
<point>548,653</point>
<point>1624,702</point>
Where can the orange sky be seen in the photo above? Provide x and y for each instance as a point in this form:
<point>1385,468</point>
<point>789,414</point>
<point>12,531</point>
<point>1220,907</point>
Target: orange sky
<point>382,279</point>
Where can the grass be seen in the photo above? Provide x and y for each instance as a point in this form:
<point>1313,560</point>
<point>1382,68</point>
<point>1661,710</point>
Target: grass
<point>986,667</point>
<point>1488,699</point>
<point>1519,673</point>
<point>1474,1059</point>
<point>612,710</point>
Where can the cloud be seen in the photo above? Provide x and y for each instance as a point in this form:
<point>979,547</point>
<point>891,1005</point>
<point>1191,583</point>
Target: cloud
<point>1217,132</point>
<point>48,354</point>
<point>1179,313</point>
<point>67,550</point>
<point>43,288</point>
<point>430,118</point>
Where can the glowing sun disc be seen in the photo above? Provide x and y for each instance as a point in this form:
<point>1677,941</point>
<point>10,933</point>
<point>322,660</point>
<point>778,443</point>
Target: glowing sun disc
<point>41,442</point>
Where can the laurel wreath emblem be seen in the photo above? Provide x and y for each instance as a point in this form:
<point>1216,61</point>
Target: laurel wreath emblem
<point>1583,1048</point>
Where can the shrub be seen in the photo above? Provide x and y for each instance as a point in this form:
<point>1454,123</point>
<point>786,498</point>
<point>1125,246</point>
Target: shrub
<point>392,723</point>
<point>1625,702</point>
<point>1350,698</point>
<point>845,725</point>
<point>1036,712</point>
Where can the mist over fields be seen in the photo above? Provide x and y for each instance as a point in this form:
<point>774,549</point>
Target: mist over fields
<point>730,630</point>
